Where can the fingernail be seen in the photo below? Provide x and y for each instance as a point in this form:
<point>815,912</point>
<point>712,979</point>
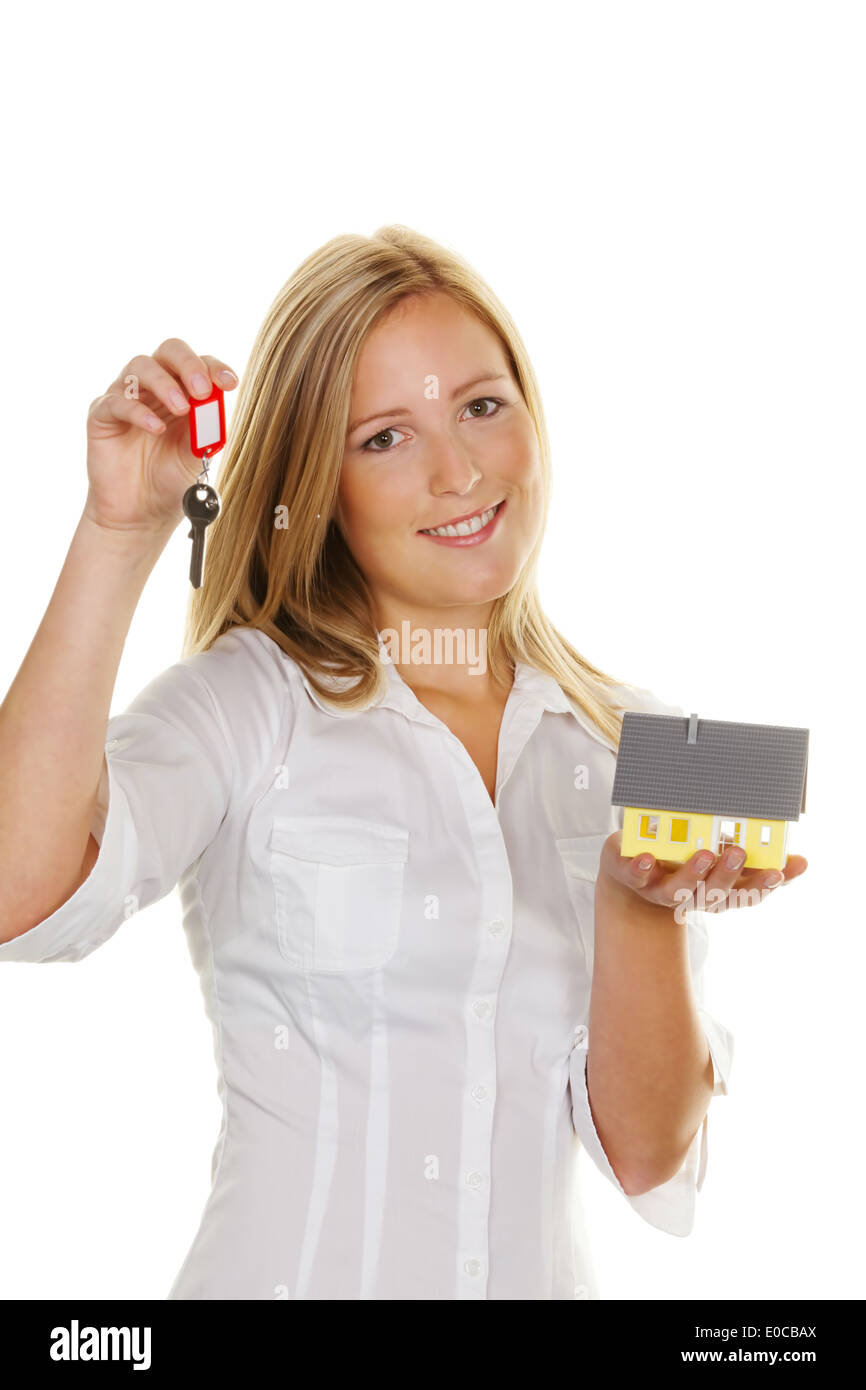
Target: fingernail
<point>200,385</point>
<point>644,862</point>
<point>178,400</point>
<point>703,862</point>
<point>735,858</point>
<point>228,378</point>
<point>773,879</point>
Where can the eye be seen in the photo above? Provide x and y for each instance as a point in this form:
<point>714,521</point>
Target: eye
<point>480,401</point>
<point>383,434</point>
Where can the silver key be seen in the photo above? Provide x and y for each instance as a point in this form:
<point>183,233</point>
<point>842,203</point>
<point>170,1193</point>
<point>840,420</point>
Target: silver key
<point>201,504</point>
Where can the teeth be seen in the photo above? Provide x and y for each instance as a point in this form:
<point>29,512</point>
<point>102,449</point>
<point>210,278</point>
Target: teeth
<point>464,528</point>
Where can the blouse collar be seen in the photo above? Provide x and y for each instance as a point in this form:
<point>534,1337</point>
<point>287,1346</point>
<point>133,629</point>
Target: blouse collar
<point>530,684</point>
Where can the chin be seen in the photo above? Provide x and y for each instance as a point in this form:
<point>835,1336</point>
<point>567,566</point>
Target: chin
<point>485,590</point>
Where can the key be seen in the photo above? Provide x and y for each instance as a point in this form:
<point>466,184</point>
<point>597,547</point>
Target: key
<point>201,504</point>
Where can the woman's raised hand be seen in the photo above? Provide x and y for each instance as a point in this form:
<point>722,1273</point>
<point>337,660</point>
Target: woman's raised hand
<point>139,463</point>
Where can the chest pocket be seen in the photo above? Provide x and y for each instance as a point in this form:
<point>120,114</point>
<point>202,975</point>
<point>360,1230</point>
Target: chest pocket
<point>580,858</point>
<point>338,891</point>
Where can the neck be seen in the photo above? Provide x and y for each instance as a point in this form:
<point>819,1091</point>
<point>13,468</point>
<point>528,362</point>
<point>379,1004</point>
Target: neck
<point>449,662</point>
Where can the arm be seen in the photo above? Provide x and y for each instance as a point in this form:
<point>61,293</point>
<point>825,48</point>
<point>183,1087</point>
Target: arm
<point>54,717</point>
<point>650,1075</point>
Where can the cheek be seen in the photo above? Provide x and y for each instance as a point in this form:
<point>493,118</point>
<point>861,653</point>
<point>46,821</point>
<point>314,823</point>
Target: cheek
<point>370,517</point>
<point>519,457</point>
<point>354,505</point>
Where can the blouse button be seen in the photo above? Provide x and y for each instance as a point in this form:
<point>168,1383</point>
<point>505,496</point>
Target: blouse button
<point>580,1036</point>
<point>479,1092</point>
<point>581,1291</point>
<point>481,1008</point>
<point>474,1179</point>
<point>496,927</point>
<point>472,1267</point>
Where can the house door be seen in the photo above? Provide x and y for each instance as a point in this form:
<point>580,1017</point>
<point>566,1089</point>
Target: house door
<point>728,830</point>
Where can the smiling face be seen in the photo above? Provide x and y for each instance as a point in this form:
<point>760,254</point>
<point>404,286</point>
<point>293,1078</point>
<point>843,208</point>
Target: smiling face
<point>415,460</point>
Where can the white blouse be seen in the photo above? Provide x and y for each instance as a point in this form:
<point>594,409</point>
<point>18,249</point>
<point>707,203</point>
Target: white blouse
<point>397,973</point>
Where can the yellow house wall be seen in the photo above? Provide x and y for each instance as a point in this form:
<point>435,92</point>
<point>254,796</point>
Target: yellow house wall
<point>758,856</point>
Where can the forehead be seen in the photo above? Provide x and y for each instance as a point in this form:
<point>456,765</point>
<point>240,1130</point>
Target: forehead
<point>425,334</point>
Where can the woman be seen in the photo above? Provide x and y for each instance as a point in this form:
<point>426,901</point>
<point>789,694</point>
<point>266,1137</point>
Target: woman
<point>381,779</point>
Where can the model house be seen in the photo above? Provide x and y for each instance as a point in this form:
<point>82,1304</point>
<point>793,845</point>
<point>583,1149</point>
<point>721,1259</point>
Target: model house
<point>687,784</point>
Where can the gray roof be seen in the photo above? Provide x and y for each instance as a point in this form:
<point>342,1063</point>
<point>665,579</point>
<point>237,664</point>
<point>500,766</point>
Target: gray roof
<point>728,769</point>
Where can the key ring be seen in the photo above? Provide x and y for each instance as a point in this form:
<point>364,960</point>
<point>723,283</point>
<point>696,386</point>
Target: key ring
<point>205,465</point>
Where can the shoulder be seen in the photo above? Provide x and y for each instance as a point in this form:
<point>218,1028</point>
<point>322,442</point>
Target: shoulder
<point>242,653</point>
<point>246,677</point>
<point>637,697</point>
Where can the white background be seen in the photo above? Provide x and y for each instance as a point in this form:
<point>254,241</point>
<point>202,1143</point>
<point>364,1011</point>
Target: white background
<point>669,199</point>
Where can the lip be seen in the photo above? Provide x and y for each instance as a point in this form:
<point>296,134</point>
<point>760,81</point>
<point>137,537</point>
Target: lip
<point>477,536</point>
<point>467,516</point>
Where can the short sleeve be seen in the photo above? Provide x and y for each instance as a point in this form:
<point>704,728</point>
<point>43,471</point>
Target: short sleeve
<point>671,1205</point>
<point>166,785</point>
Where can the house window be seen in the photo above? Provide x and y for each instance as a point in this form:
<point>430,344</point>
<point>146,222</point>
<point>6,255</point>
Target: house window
<point>729,834</point>
<point>765,834</point>
<point>649,827</point>
<point>679,831</point>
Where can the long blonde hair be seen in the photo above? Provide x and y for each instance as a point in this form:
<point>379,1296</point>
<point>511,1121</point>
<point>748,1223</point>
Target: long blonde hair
<point>299,583</point>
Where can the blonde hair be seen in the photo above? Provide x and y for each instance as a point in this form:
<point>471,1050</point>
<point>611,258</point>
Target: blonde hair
<point>300,584</point>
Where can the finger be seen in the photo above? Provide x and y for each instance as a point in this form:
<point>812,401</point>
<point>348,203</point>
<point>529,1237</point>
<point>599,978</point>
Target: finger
<point>178,357</point>
<point>669,887</point>
<point>154,378</point>
<point>722,877</point>
<point>115,406</point>
<point>766,880</point>
<point>795,865</point>
<point>752,885</point>
<point>638,871</point>
<point>220,372</point>
<point>727,868</point>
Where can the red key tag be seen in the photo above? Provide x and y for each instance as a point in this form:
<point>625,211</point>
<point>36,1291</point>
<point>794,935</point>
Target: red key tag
<point>207,425</point>
<point>201,502</point>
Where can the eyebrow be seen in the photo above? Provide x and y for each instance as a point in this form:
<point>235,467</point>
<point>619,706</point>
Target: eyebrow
<point>402,410</point>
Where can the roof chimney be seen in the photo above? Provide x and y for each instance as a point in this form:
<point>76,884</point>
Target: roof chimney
<point>693,729</point>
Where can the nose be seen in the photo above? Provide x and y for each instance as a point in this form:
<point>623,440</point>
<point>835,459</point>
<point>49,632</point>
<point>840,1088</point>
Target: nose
<point>453,470</point>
